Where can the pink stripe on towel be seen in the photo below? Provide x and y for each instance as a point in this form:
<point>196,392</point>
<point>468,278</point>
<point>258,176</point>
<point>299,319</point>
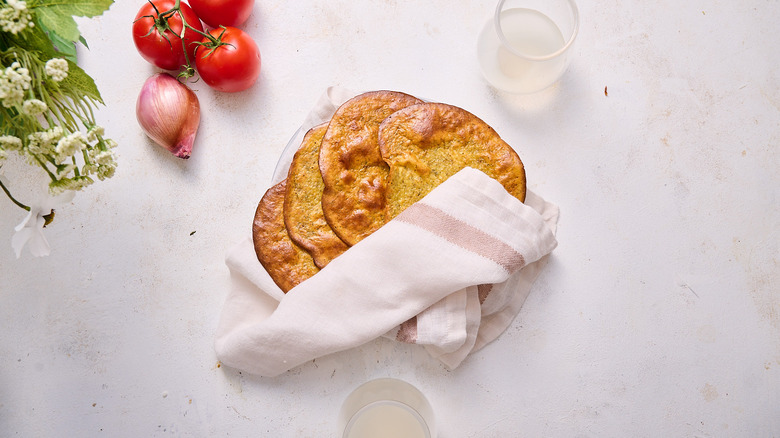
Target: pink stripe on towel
<point>462,234</point>
<point>407,331</point>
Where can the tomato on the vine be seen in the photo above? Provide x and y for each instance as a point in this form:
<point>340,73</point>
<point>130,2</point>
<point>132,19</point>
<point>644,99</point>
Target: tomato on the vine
<point>217,13</point>
<point>157,38</point>
<point>231,65</point>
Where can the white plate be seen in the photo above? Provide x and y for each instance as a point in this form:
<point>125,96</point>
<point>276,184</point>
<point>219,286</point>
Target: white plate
<point>283,165</point>
<point>320,113</point>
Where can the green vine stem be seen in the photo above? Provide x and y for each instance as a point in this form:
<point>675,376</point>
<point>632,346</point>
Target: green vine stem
<point>14,200</point>
<point>161,23</point>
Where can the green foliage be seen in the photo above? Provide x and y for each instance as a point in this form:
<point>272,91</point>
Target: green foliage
<point>79,79</point>
<point>46,100</point>
<point>56,16</point>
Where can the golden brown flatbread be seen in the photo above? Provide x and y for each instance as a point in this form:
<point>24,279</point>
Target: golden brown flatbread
<point>381,152</point>
<point>353,172</point>
<point>427,143</point>
<point>286,263</point>
<point>303,214</point>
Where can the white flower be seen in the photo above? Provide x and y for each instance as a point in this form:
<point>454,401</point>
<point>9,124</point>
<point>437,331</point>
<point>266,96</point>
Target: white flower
<point>105,172</point>
<point>89,169</point>
<point>33,107</point>
<point>57,69</point>
<point>30,231</point>
<point>94,132</point>
<point>69,184</point>
<point>44,142</point>
<point>105,158</point>
<point>10,143</point>
<point>65,170</point>
<point>14,17</point>
<point>3,154</point>
<point>71,144</point>
<point>14,80</point>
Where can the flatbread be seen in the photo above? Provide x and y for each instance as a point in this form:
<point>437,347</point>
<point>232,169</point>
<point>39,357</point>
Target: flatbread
<point>427,143</point>
<point>353,172</point>
<point>287,263</point>
<point>303,214</point>
<point>380,153</point>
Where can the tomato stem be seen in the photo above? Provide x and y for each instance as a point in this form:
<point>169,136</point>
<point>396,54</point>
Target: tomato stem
<point>214,42</point>
<point>162,26</point>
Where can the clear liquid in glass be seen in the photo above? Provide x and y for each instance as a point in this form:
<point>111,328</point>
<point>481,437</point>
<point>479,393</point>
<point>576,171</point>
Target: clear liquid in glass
<point>528,32</point>
<point>387,419</point>
<point>387,408</point>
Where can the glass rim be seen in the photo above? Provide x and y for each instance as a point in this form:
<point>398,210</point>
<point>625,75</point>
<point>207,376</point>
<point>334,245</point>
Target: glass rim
<point>505,42</point>
<point>404,406</point>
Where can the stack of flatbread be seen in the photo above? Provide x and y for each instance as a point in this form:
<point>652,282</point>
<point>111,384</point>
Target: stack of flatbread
<point>380,153</point>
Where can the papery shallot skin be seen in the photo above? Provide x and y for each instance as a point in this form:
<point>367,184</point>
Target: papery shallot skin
<point>169,113</point>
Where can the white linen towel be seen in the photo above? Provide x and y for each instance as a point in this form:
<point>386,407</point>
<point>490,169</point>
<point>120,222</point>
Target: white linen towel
<point>451,272</point>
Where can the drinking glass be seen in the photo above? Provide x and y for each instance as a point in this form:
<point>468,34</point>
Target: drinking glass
<point>386,408</point>
<point>526,46</point>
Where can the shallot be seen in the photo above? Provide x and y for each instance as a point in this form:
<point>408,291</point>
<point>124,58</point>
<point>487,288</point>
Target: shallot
<point>169,113</point>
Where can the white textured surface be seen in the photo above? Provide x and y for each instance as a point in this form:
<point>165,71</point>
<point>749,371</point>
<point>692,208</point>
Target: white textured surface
<point>658,314</point>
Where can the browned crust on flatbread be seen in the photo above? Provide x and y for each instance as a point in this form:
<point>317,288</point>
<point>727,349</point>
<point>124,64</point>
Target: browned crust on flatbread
<point>427,143</point>
<point>303,214</point>
<point>286,263</point>
<point>353,172</point>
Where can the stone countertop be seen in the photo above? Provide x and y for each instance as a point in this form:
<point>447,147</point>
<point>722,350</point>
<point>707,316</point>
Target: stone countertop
<point>657,315</point>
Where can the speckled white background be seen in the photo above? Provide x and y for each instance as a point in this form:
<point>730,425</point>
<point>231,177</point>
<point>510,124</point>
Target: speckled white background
<point>658,314</point>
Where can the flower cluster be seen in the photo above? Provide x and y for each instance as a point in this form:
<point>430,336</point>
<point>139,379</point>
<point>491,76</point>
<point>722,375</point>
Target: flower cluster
<point>14,81</point>
<point>47,108</point>
<point>57,69</point>
<point>14,17</point>
<point>60,149</point>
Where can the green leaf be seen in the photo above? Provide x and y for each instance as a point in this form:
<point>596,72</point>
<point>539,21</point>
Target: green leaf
<point>79,79</point>
<point>57,15</point>
<point>36,39</point>
<point>62,25</point>
<point>64,47</point>
<point>80,8</point>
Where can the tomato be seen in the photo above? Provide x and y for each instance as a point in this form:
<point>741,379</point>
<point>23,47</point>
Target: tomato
<point>160,46</point>
<point>217,13</point>
<point>231,66</point>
